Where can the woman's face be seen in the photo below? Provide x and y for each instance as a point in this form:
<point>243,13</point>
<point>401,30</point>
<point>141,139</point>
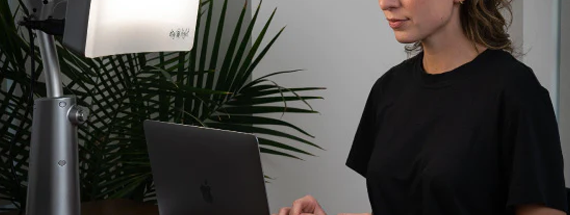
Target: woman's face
<point>415,20</point>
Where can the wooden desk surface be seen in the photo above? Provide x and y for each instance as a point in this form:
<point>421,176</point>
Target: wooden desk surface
<point>113,207</point>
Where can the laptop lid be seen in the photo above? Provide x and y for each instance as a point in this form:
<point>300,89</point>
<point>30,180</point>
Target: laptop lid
<point>205,171</point>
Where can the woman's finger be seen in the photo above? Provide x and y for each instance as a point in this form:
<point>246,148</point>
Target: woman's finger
<point>284,211</point>
<point>306,204</point>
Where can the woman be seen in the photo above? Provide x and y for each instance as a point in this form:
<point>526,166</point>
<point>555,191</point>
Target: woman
<point>460,128</point>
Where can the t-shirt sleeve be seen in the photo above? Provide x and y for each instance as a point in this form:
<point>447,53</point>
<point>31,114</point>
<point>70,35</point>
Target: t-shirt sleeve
<point>534,163</point>
<point>363,142</point>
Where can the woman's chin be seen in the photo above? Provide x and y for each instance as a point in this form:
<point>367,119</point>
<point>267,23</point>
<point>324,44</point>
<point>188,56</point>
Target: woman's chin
<point>402,37</point>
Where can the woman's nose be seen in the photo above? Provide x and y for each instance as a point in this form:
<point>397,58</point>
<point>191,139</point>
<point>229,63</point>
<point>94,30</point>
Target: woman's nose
<point>388,4</point>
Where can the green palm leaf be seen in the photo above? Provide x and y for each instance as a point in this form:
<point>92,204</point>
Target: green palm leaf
<point>209,86</point>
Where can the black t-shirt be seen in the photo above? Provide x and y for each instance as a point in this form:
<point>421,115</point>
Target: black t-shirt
<point>480,139</point>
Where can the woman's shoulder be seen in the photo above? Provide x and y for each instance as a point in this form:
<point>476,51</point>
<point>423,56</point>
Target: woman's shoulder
<point>505,63</point>
<point>396,76</point>
<point>517,80</point>
<point>401,71</point>
<point>512,71</point>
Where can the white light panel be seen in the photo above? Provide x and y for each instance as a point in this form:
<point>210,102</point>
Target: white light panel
<point>135,26</point>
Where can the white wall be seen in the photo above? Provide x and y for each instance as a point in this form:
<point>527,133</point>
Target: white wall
<point>517,27</point>
<point>345,46</point>
<point>564,109</point>
<point>541,33</point>
<point>540,19</point>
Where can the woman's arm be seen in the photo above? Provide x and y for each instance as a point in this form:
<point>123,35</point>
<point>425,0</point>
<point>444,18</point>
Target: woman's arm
<point>537,210</point>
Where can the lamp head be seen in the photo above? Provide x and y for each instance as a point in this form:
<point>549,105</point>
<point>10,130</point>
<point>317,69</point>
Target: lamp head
<point>98,28</point>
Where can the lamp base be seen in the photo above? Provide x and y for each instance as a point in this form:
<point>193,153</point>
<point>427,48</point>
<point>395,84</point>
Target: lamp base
<point>53,176</point>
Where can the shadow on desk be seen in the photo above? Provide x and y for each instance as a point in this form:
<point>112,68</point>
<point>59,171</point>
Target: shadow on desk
<point>113,207</point>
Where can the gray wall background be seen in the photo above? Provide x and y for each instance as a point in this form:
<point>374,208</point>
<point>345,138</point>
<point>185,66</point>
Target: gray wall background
<point>564,109</point>
<point>344,46</point>
<point>540,41</point>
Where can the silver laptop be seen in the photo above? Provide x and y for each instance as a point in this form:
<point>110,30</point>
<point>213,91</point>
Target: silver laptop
<point>201,171</point>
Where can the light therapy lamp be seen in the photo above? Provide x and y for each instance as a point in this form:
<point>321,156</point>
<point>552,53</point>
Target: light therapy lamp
<point>93,28</point>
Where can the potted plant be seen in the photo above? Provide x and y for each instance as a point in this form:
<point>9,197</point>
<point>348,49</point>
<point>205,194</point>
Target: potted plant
<point>209,86</point>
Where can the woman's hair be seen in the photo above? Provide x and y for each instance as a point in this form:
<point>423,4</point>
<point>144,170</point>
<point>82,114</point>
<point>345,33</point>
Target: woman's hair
<point>483,23</point>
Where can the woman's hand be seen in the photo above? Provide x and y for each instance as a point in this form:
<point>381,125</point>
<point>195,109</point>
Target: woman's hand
<point>307,205</point>
<point>537,210</point>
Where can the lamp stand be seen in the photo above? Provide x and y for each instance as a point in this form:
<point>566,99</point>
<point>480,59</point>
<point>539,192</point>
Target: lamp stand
<point>53,175</point>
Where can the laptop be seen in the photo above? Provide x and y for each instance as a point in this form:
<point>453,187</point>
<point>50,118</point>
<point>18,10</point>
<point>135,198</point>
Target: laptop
<point>203,171</point>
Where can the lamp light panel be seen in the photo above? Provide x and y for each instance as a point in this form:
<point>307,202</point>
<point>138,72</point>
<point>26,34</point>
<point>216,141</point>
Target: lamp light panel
<point>114,27</point>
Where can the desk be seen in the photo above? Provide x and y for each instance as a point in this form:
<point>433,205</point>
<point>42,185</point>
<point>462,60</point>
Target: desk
<point>113,207</point>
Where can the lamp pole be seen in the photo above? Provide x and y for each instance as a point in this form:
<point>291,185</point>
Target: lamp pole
<point>53,175</point>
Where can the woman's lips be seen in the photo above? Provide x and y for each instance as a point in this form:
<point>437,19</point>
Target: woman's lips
<point>396,23</point>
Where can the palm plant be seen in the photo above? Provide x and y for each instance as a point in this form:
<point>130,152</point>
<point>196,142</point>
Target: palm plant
<point>209,86</point>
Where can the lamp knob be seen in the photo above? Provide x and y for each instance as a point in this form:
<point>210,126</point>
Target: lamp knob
<point>78,114</point>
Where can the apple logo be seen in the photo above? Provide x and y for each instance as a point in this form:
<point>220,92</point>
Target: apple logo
<point>207,192</point>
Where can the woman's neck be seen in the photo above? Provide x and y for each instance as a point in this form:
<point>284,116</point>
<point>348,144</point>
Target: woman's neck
<point>448,49</point>
<point>444,58</point>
